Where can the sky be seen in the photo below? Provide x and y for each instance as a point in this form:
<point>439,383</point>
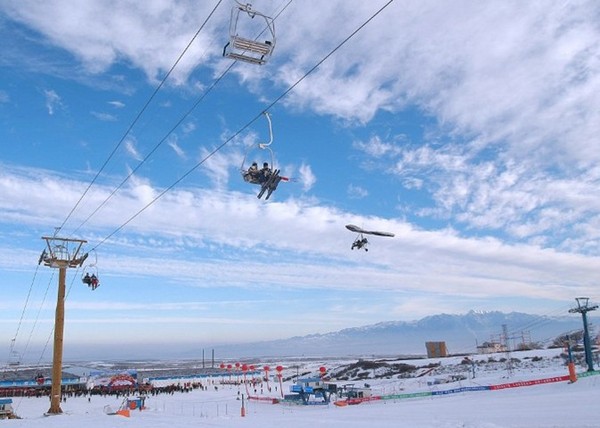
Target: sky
<point>552,404</point>
<point>467,129</point>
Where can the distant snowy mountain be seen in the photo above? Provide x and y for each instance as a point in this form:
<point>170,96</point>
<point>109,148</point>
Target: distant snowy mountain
<point>462,334</point>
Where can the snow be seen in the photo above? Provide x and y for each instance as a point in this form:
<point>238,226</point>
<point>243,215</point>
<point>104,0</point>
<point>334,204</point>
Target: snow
<point>556,404</point>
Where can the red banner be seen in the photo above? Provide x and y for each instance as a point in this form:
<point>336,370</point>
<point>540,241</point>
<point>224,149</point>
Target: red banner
<point>530,382</point>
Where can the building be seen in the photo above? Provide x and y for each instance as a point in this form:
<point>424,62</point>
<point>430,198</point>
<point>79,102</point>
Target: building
<point>491,348</point>
<point>436,349</point>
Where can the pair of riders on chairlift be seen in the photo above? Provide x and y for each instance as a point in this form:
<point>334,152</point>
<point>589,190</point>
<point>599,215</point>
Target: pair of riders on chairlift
<point>258,176</point>
<point>91,280</point>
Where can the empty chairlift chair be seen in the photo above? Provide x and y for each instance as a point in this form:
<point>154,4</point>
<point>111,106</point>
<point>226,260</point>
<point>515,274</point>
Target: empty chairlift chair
<point>246,49</point>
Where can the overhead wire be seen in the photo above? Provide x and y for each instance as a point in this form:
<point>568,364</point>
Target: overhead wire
<point>244,127</point>
<point>139,115</point>
<point>13,342</point>
<point>218,148</point>
<point>171,130</point>
<point>37,317</point>
<point>119,143</point>
<point>216,81</point>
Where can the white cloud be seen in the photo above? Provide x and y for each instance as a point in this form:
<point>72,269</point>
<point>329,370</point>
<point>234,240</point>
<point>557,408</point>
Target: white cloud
<point>172,142</point>
<point>117,104</point>
<point>149,35</point>
<point>512,146</point>
<point>4,97</point>
<point>53,101</point>
<point>209,238</point>
<point>376,147</point>
<point>307,178</point>
<point>130,147</point>
<point>188,127</point>
<point>357,192</point>
<point>104,117</point>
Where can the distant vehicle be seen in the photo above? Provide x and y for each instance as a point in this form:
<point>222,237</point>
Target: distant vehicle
<point>361,242</point>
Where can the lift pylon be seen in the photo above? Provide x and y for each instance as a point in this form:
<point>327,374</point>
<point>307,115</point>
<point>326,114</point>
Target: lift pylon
<point>60,253</point>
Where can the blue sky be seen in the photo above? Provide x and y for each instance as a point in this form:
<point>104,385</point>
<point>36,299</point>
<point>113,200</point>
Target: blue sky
<point>467,129</point>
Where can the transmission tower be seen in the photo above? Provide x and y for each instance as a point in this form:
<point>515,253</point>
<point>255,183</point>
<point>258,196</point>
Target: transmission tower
<point>506,343</point>
<point>61,254</point>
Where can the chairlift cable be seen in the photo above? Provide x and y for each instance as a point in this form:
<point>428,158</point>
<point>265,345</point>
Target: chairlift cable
<point>37,317</point>
<point>342,43</point>
<point>26,303</point>
<point>160,85</point>
<point>52,330</point>
<point>114,151</point>
<point>243,128</point>
<point>179,122</point>
<point>120,142</point>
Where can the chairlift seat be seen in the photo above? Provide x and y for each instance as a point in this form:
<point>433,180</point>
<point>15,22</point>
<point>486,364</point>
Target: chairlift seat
<point>244,48</point>
<point>249,50</point>
<point>253,46</point>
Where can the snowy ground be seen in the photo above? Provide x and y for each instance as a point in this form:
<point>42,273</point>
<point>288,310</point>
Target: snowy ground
<point>557,404</point>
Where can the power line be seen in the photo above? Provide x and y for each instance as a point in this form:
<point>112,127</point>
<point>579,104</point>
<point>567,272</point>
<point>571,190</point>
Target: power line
<point>139,115</point>
<point>247,125</point>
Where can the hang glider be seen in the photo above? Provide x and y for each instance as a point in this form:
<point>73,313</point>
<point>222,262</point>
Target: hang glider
<point>361,242</point>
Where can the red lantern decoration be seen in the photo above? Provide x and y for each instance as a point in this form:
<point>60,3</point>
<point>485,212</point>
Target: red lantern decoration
<point>244,367</point>
<point>222,366</point>
<point>279,368</point>
<point>322,370</point>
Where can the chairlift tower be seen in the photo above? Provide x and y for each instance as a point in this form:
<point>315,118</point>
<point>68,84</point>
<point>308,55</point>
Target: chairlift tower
<point>61,253</point>
<point>583,308</point>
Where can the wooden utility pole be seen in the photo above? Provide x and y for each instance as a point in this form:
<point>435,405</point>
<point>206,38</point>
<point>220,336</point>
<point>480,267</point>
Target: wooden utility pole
<point>61,253</point>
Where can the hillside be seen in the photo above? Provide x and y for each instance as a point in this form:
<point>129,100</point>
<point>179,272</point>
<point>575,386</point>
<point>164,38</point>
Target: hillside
<point>462,334</point>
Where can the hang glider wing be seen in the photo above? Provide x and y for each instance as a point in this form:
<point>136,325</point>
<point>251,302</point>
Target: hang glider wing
<point>357,229</point>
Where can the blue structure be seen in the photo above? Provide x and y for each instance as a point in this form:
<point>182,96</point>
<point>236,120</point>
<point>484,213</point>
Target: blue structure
<point>303,389</point>
<point>6,410</point>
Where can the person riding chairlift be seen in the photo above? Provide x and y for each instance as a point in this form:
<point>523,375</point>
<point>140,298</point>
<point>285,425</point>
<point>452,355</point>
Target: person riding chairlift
<point>265,172</point>
<point>91,281</point>
<point>94,282</point>
<point>256,176</point>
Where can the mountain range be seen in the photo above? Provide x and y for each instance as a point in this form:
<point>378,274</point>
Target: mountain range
<point>461,333</point>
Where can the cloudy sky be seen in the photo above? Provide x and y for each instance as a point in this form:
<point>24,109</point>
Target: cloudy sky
<point>468,129</point>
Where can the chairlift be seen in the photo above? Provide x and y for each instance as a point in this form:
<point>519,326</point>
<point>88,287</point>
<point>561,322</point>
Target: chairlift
<point>246,49</point>
<point>14,358</point>
<point>245,169</point>
<point>90,275</point>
